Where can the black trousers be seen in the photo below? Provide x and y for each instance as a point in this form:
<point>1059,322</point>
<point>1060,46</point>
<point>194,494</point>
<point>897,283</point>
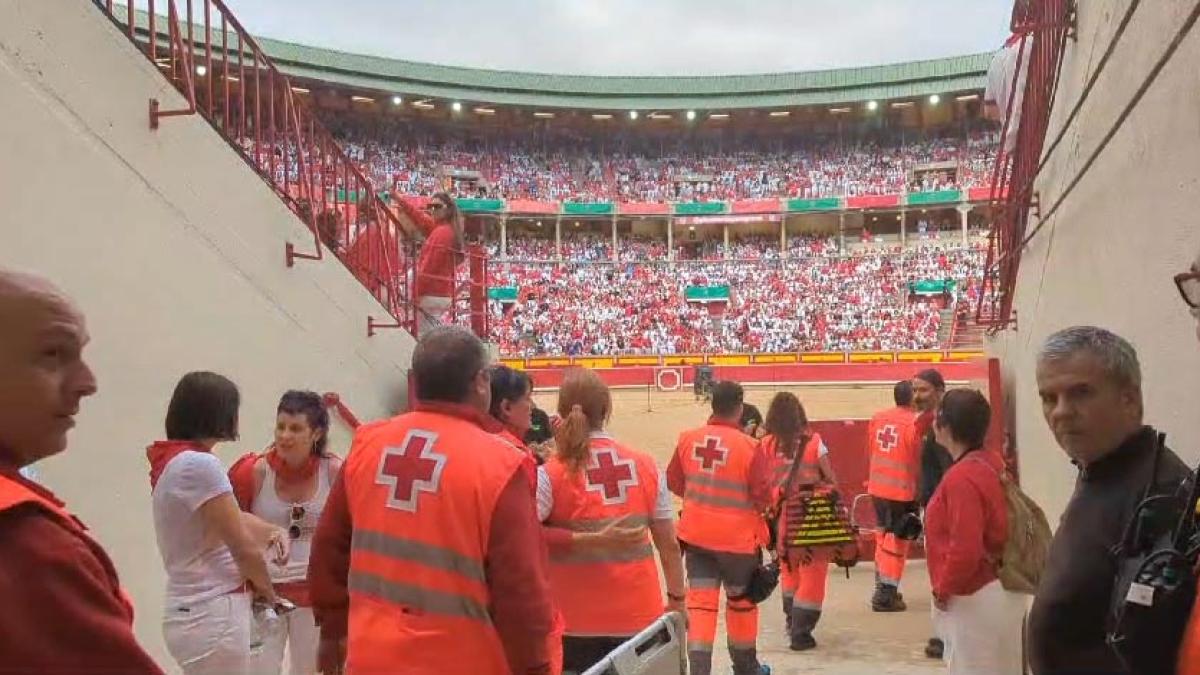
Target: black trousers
<point>581,653</point>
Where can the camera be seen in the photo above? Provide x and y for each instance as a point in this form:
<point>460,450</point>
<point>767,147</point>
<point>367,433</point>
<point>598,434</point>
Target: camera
<point>909,527</point>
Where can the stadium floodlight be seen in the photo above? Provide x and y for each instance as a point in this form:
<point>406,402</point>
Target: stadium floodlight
<point>839,111</point>
<point>299,90</point>
<point>633,114</point>
<point>601,116</point>
<point>966,97</point>
<point>362,99</point>
<point>485,111</point>
<point>539,223</point>
<point>691,115</point>
<point>718,116</point>
<point>201,70</point>
<point>660,116</point>
<point>577,223</point>
<point>456,106</point>
<point>423,105</point>
<point>396,100</point>
<point>780,113</point>
<point>902,104</point>
<point>544,115</point>
<point>872,105</point>
<point>934,99</point>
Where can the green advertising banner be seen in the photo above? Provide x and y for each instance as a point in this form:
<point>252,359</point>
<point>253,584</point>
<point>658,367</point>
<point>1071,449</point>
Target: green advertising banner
<point>588,208</point>
<point>822,204</point>
<point>931,287</point>
<point>480,205</point>
<point>503,293</point>
<point>699,208</point>
<point>935,197</point>
<point>706,294</point>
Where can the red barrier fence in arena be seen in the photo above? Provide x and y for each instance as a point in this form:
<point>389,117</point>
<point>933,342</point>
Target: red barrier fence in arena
<point>229,81</point>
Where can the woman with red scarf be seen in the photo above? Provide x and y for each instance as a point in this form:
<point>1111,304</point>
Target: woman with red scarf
<point>442,226</point>
<point>287,486</point>
<point>212,552</point>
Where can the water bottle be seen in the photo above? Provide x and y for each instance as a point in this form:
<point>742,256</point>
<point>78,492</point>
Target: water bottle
<point>262,623</point>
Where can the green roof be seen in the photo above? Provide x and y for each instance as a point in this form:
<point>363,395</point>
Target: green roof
<point>710,92</point>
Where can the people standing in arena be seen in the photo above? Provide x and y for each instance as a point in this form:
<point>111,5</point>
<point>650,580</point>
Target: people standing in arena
<point>752,420</point>
<point>725,483</point>
<point>607,595</point>
<point>893,446</point>
<point>287,486</point>
<point>67,611</point>
<point>428,554</point>
<point>966,529</point>
<point>212,552</point>
<point>441,223</point>
<point>928,388</point>
<point>1090,384</point>
<point>799,463</point>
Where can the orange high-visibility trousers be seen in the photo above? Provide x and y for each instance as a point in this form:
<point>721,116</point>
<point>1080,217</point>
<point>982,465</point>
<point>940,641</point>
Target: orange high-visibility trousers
<point>707,572</point>
<point>890,554</point>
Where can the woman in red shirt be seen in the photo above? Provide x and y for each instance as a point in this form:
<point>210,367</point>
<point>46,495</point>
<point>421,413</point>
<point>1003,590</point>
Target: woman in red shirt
<point>442,226</point>
<point>966,525</point>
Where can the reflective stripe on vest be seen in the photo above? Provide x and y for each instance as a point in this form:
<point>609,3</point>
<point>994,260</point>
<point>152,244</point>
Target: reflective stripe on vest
<point>893,455</point>
<point>718,513</point>
<point>425,600</point>
<point>407,549</point>
<point>605,591</point>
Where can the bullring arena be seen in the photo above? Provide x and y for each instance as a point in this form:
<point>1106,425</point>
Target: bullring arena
<point>216,197</point>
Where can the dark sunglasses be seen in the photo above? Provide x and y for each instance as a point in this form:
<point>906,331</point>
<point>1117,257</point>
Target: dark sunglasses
<point>297,516</point>
<point>1188,284</point>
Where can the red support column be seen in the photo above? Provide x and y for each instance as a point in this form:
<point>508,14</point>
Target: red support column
<point>477,258</point>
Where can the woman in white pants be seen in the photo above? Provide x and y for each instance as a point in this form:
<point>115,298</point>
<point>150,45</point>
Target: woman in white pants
<point>966,526</point>
<point>213,553</point>
<point>287,487</point>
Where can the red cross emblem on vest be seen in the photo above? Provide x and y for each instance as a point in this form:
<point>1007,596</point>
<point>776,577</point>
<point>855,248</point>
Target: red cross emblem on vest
<point>887,438</point>
<point>711,454</point>
<point>410,469</point>
<point>610,476</point>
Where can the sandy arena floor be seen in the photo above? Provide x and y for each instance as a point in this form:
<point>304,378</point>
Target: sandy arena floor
<point>852,639</point>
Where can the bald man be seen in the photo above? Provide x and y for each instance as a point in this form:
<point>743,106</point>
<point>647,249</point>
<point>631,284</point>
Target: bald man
<point>63,609</point>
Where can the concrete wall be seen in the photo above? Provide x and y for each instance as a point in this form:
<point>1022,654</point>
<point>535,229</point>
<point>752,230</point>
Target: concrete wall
<point>175,251</point>
<point>1107,257</point>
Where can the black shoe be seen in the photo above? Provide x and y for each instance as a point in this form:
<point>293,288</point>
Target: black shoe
<point>887,599</point>
<point>803,642</point>
<point>935,648</point>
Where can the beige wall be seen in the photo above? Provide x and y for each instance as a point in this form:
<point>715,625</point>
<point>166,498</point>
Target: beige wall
<point>175,250</point>
<point>1107,257</point>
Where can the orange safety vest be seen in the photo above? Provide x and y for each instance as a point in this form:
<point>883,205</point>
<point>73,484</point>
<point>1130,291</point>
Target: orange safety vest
<point>13,494</point>
<point>809,471</point>
<point>605,592</point>
<point>895,455</point>
<point>718,513</point>
<point>421,490</point>
<point>1189,651</point>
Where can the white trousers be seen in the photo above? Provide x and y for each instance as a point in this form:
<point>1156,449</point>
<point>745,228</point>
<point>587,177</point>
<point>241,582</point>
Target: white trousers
<point>210,637</point>
<point>430,309</point>
<point>297,632</point>
<point>982,632</point>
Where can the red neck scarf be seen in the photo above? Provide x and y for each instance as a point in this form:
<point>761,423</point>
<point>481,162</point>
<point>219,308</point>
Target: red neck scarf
<point>289,473</point>
<point>162,452</point>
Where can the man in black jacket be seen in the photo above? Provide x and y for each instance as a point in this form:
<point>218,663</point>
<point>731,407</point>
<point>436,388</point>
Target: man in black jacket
<point>1090,384</point>
<point>928,388</point>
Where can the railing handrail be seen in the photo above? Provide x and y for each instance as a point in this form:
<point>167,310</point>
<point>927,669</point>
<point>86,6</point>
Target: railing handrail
<point>294,134</point>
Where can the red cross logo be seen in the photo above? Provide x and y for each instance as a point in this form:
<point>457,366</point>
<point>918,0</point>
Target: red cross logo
<point>411,469</point>
<point>610,477</point>
<point>887,438</point>
<point>710,454</point>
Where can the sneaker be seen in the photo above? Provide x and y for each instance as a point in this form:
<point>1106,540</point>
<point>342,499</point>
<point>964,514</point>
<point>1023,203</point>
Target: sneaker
<point>803,642</point>
<point>935,648</point>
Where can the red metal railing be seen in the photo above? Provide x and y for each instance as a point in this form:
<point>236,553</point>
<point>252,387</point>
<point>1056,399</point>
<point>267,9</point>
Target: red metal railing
<point>1043,27</point>
<point>227,78</point>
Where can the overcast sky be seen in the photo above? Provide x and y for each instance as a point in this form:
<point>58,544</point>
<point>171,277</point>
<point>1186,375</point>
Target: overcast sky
<point>637,37</point>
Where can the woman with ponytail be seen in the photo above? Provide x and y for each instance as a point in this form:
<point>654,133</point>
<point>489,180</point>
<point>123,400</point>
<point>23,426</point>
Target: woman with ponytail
<point>287,486</point>
<point>590,484</point>
<point>800,462</point>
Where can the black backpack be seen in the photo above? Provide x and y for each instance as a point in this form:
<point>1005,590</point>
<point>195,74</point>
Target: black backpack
<point>1155,587</point>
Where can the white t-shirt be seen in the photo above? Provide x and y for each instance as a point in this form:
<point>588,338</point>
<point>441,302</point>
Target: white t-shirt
<point>195,572</point>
